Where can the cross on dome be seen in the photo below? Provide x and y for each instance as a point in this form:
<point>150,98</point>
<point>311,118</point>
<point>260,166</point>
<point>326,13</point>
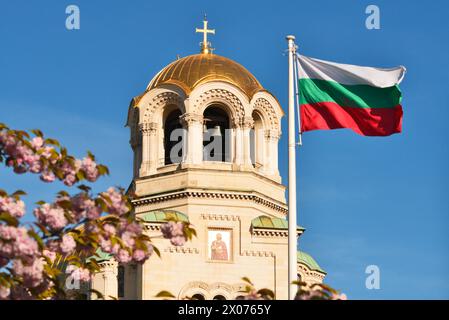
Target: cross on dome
<point>205,45</point>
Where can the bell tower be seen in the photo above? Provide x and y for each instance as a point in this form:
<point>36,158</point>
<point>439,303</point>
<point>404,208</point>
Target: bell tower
<point>205,137</point>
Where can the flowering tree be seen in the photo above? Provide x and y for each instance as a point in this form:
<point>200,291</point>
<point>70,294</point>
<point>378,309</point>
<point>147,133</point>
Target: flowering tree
<point>35,257</point>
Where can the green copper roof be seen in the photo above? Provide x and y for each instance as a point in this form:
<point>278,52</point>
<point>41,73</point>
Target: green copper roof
<point>271,223</point>
<point>164,215</point>
<point>101,256</point>
<point>307,259</point>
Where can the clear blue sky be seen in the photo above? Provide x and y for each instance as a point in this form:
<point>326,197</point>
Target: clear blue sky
<point>364,201</point>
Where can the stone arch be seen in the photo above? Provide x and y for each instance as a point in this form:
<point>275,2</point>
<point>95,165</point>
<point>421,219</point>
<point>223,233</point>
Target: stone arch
<point>153,104</point>
<point>194,287</point>
<point>220,96</point>
<point>209,291</point>
<point>267,112</point>
<point>221,289</point>
<point>220,93</point>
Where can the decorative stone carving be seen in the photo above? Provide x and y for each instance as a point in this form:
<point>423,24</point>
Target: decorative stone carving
<point>282,209</point>
<point>264,106</point>
<point>222,217</point>
<point>253,253</point>
<point>159,101</point>
<point>310,276</point>
<point>149,128</point>
<point>247,123</point>
<point>220,95</point>
<point>272,134</point>
<point>190,118</point>
<point>184,250</point>
<point>209,290</point>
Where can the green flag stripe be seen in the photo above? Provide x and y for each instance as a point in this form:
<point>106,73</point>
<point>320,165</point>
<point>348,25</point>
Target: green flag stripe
<point>356,96</point>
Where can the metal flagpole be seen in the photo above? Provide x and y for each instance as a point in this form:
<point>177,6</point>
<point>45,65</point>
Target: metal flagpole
<point>298,106</point>
<point>292,242</point>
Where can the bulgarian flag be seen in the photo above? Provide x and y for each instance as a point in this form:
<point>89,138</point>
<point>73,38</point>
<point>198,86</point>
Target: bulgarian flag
<point>364,99</point>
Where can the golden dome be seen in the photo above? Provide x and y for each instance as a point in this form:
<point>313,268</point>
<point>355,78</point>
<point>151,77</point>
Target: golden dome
<point>191,71</point>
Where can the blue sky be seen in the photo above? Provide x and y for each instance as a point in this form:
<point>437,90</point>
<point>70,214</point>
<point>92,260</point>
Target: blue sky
<point>364,201</point>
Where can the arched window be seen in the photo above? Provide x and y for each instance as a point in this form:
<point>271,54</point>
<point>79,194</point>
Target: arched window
<point>257,141</point>
<point>198,296</point>
<point>216,135</point>
<point>173,137</point>
<point>219,297</point>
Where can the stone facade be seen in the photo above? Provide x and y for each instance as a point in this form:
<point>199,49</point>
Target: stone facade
<point>221,199</point>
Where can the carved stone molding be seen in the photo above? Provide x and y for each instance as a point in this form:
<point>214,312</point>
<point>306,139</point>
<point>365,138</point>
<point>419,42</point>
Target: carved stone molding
<point>270,233</point>
<point>247,123</point>
<point>308,274</point>
<point>108,265</point>
<point>215,195</point>
<point>184,250</point>
<point>209,290</point>
<point>152,226</point>
<point>220,95</point>
<point>222,217</point>
<point>253,253</point>
<point>160,101</point>
<point>272,134</point>
<point>191,118</point>
<point>268,111</point>
<point>148,128</point>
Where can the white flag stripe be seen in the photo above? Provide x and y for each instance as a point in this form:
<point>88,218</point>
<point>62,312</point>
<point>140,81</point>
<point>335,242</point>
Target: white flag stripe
<point>311,68</point>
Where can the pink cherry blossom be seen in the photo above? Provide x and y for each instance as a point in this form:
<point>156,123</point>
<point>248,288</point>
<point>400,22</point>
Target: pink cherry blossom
<point>90,169</point>
<point>109,229</point>
<point>79,274</point>
<point>4,292</point>
<point>175,232</point>
<point>51,216</point>
<point>32,273</point>
<point>178,241</point>
<point>117,204</point>
<point>67,245</point>
<point>25,246</point>
<point>139,255</point>
<point>15,242</point>
<point>14,207</point>
<point>84,207</point>
<point>37,142</point>
<point>106,245</point>
<point>8,232</point>
<point>48,176</point>
<point>123,256</point>
<point>50,255</point>
<point>69,173</point>
<point>128,239</point>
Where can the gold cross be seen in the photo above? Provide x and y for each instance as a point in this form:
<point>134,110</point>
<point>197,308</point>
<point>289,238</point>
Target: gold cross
<point>205,31</point>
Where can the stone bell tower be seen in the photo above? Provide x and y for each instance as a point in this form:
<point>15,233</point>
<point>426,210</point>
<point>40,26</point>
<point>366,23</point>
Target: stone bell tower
<point>231,192</point>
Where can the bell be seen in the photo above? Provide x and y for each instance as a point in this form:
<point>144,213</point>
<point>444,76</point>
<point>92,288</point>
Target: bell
<point>216,132</point>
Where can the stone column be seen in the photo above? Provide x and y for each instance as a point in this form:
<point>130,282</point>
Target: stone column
<point>149,148</point>
<point>109,275</point>
<point>194,124</point>
<point>272,140</point>
<point>247,125</point>
<point>238,142</point>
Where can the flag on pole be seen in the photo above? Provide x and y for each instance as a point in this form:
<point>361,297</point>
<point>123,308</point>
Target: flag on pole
<point>364,99</point>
